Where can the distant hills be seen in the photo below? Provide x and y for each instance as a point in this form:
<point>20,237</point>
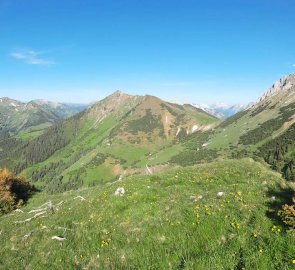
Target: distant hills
<point>230,204</point>
<point>266,130</point>
<point>124,134</point>
<point>17,117</point>
<point>117,135</point>
<point>30,119</point>
<point>63,110</point>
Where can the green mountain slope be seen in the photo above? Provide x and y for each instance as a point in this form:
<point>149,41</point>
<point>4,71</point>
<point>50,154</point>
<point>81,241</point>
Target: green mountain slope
<point>116,136</point>
<point>23,119</point>
<point>253,132</point>
<point>29,120</point>
<point>174,220</point>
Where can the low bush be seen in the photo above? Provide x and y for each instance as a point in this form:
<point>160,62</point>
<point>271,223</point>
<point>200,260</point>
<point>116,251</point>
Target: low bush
<point>288,214</point>
<point>14,191</point>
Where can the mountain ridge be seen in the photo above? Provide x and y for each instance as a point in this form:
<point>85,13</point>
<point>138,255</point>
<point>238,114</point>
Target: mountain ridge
<point>115,135</point>
<point>29,119</point>
<point>265,131</point>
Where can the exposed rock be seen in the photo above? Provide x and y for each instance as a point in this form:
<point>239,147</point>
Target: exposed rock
<point>220,194</point>
<point>282,85</point>
<point>58,238</point>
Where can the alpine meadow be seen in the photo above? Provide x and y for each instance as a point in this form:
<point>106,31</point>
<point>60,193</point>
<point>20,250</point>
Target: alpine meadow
<point>185,169</point>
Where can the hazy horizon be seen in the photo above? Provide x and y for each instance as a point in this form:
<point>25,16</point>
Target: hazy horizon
<point>218,103</point>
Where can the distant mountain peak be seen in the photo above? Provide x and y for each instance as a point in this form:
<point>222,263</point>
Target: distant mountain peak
<point>43,102</point>
<point>221,110</point>
<point>9,100</point>
<point>284,84</point>
<point>119,93</point>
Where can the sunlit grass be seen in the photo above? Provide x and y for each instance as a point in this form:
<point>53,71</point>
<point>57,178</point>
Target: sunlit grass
<point>171,221</point>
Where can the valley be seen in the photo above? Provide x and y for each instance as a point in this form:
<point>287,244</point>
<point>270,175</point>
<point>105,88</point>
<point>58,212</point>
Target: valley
<point>118,135</point>
<point>192,185</point>
<point>147,135</point>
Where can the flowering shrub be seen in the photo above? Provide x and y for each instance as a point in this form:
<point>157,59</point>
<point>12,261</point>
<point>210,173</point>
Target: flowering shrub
<point>14,190</point>
<point>288,215</point>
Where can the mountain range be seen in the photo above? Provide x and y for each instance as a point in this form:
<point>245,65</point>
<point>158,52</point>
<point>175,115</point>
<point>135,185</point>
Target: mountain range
<point>135,182</point>
<point>115,136</point>
<point>221,110</point>
<point>63,110</point>
<point>32,118</point>
<point>124,134</point>
<point>264,130</point>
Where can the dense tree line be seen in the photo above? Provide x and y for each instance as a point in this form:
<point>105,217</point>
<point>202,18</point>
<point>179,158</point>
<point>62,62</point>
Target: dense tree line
<point>260,109</point>
<point>55,138</point>
<point>280,153</point>
<point>191,157</point>
<point>21,154</point>
<point>195,151</point>
<point>267,128</point>
<point>11,153</point>
<point>145,124</point>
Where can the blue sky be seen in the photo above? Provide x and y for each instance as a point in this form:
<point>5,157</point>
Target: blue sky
<point>186,51</point>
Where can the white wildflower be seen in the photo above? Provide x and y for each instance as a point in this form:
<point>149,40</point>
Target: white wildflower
<point>220,194</point>
<point>120,191</point>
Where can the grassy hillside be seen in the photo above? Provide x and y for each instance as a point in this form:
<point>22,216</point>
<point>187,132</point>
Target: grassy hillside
<point>263,130</point>
<point>173,220</point>
<point>117,136</point>
<point>280,153</point>
<point>26,120</point>
<point>266,119</point>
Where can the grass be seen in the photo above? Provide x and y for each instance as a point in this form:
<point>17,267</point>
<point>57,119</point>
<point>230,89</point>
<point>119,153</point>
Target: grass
<point>99,174</point>
<point>33,132</point>
<point>232,133</point>
<point>126,151</point>
<point>160,223</point>
<point>161,156</point>
<point>89,141</point>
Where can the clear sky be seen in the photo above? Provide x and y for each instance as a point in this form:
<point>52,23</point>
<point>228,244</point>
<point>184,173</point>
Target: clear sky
<point>200,51</point>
